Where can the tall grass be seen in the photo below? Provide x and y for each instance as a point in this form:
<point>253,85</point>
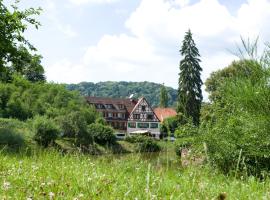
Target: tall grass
<point>50,175</point>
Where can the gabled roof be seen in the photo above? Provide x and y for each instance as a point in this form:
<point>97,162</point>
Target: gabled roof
<point>163,113</point>
<point>139,102</point>
<point>128,103</point>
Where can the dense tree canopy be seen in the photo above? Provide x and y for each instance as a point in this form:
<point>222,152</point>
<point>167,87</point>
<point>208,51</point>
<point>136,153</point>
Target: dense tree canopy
<point>151,91</point>
<point>237,69</point>
<point>189,91</point>
<point>15,50</point>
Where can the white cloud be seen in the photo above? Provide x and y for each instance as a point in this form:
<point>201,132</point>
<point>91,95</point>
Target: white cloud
<point>80,2</point>
<point>52,13</point>
<point>156,29</point>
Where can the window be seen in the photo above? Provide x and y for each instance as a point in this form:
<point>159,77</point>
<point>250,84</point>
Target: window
<point>143,125</point>
<point>109,106</point>
<point>136,116</point>
<point>143,108</point>
<point>154,125</point>
<point>109,114</point>
<point>121,106</point>
<point>132,125</point>
<point>121,115</point>
<point>150,116</point>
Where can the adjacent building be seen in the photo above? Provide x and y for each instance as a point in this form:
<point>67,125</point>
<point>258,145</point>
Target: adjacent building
<point>163,113</point>
<point>115,111</point>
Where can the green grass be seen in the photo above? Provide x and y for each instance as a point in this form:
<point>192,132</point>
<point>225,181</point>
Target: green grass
<point>130,176</point>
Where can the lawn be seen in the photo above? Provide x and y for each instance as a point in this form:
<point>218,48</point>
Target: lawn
<point>52,175</point>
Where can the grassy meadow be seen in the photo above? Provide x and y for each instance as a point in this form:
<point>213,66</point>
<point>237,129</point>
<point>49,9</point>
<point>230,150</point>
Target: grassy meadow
<point>49,174</point>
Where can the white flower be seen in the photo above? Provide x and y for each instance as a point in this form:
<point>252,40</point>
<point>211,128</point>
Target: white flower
<point>6,185</point>
<point>51,195</point>
<point>81,195</point>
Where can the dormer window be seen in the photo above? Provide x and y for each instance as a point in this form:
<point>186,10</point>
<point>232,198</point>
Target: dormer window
<point>109,106</point>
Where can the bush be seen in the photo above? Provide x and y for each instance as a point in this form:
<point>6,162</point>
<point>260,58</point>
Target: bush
<point>73,124</point>
<point>186,130</point>
<point>147,144</point>
<point>237,131</point>
<point>10,138</point>
<point>135,139</point>
<point>144,143</point>
<point>45,130</point>
<point>101,134</point>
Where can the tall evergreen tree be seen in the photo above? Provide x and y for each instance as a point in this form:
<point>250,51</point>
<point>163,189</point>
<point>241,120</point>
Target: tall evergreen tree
<point>163,97</point>
<point>189,91</point>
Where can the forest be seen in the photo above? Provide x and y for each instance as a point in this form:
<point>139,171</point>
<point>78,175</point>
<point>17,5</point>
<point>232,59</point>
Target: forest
<point>122,89</point>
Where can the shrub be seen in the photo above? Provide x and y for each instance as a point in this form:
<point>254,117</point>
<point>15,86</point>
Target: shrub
<point>10,123</point>
<point>237,133</point>
<point>10,138</point>
<point>73,124</point>
<point>186,130</point>
<point>144,143</point>
<point>101,134</point>
<point>135,139</point>
<point>45,130</point>
<point>147,144</point>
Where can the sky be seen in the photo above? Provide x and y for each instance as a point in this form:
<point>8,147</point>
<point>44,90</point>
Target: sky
<point>139,40</point>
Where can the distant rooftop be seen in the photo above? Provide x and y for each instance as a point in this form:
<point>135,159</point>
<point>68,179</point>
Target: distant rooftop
<point>163,113</point>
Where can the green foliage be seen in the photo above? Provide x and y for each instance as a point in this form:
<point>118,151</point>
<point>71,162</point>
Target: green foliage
<point>238,69</point>
<point>189,91</point>
<point>109,177</point>
<point>101,134</point>
<point>183,143</point>
<point>236,125</point>
<point>101,120</point>
<point>15,50</point>
<point>9,137</point>
<point>73,124</point>
<point>151,91</point>
<point>22,100</point>
<point>147,145</point>
<point>163,97</point>
<point>169,125</point>
<point>45,130</point>
<point>186,130</point>
<point>144,143</point>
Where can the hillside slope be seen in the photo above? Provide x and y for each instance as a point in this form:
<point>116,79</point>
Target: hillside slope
<point>122,89</point>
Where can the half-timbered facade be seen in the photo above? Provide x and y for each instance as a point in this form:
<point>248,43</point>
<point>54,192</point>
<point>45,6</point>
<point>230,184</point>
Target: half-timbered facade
<point>143,118</point>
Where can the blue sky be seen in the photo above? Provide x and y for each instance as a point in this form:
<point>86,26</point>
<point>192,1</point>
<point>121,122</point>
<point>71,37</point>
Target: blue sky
<point>139,40</point>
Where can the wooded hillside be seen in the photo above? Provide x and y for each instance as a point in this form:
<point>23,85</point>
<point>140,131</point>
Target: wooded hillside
<point>151,91</point>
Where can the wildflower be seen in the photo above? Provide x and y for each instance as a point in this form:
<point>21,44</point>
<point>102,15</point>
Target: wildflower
<point>6,185</point>
<point>80,195</point>
<point>51,195</point>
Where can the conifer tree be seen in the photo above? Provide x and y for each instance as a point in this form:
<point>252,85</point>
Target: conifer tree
<point>189,91</point>
<point>163,97</point>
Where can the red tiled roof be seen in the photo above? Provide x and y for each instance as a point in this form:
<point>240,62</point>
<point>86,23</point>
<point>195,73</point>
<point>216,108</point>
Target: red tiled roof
<point>163,113</point>
<point>128,103</point>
